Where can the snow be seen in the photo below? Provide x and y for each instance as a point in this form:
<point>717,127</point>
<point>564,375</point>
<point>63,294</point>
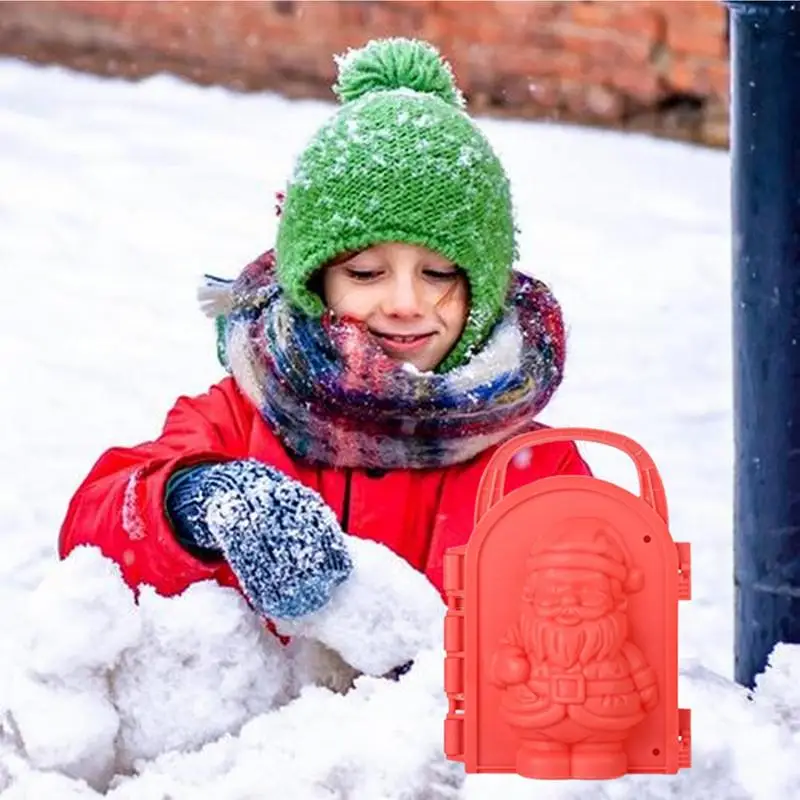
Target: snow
<point>104,681</point>
<point>116,198</point>
<point>381,618</point>
<point>191,694</point>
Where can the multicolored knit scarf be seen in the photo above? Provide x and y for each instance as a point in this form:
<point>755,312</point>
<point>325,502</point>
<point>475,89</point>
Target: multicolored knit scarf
<point>335,398</point>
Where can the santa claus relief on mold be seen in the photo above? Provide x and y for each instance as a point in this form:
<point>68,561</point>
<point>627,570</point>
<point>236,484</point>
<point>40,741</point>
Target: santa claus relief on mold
<point>574,684</point>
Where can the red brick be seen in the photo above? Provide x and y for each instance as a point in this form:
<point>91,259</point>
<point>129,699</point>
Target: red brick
<point>604,46</point>
<point>699,76</point>
<point>719,78</point>
<point>699,12</point>
<point>98,10</point>
<point>469,28</point>
<point>592,15</point>
<point>518,12</point>
<point>642,85</point>
<point>532,64</point>
<point>453,9</point>
<point>696,40</point>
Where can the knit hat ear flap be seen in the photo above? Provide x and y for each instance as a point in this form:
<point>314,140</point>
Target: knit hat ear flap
<point>401,162</point>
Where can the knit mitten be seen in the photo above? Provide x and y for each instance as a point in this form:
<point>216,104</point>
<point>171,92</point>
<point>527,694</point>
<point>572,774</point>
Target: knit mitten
<point>282,541</point>
<point>382,619</point>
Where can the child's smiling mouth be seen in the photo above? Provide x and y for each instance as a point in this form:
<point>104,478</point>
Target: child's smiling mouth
<point>402,343</point>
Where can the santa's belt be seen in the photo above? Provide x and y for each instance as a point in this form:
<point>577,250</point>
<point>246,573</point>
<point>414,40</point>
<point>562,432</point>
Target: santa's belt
<point>574,688</point>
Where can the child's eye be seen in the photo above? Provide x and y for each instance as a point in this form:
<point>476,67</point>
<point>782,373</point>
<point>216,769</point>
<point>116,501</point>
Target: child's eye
<point>362,274</point>
<point>441,274</point>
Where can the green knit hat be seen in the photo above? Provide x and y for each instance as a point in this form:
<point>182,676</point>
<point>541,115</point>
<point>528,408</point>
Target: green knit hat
<point>401,161</point>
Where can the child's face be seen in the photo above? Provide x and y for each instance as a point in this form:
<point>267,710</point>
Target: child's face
<point>413,300</point>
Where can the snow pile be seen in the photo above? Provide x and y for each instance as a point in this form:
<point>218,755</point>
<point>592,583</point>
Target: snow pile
<point>191,694</point>
<point>191,697</point>
<point>104,682</point>
<point>382,740</point>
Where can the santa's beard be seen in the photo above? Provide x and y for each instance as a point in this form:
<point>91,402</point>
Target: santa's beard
<point>566,645</point>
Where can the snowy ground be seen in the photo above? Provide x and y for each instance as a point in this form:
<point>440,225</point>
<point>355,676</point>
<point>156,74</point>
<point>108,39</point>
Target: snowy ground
<point>115,197</point>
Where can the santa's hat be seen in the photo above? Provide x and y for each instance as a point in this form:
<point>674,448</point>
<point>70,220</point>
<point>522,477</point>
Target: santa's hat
<point>587,544</point>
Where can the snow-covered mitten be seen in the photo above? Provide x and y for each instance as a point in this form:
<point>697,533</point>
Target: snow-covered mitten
<point>280,538</point>
<point>381,618</point>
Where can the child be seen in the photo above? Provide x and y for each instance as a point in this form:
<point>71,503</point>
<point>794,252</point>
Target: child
<point>376,359</point>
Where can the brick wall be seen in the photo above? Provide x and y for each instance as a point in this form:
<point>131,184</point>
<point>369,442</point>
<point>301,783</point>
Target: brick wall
<point>660,67</point>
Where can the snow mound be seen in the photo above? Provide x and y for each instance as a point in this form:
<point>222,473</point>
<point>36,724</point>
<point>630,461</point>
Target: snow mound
<point>191,696</point>
<point>381,740</point>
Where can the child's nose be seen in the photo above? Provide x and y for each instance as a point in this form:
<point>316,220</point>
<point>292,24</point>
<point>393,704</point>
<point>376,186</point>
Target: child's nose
<point>403,300</point>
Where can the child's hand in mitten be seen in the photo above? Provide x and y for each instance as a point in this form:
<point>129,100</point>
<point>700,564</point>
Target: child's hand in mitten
<point>282,541</point>
<point>382,618</point>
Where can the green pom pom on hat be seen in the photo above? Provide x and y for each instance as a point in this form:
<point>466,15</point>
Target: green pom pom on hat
<point>400,161</point>
<point>388,64</point>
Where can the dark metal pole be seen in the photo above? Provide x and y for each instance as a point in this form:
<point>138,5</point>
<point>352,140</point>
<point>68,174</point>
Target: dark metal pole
<point>765,155</point>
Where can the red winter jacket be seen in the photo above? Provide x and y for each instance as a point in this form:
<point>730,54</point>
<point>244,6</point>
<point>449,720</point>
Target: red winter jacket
<point>119,507</point>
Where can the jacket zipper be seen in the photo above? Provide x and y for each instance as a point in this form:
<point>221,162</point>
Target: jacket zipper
<point>348,475</point>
